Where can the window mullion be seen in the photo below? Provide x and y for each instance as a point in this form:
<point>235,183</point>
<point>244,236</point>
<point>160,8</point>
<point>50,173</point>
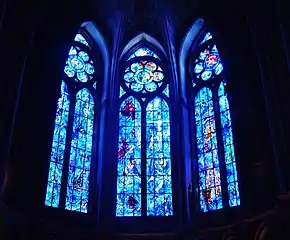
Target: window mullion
<point>143,163</point>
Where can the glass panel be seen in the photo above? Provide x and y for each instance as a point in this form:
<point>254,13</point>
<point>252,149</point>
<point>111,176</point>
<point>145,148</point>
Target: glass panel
<point>158,159</point>
<point>206,37</point>
<point>122,92</point>
<point>79,66</point>
<point>166,91</point>
<point>80,38</point>
<point>143,76</point>
<point>208,162</point>
<point>129,159</point>
<point>208,65</point>
<point>143,52</point>
<point>58,147</point>
<point>81,153</point>
<point>232,177</point>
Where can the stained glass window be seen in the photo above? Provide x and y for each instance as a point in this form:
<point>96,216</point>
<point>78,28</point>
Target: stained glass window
<point>159,190</point>
<point>129,159</point>
<point>81,152</point>
<point>217,171</point>
<point>207,151</point>
<point>58,147</point>
<point>208,64</point>
<point>231,169</point>
<point>143,76</point>
<point>68,187</point>
<point>144,186</point>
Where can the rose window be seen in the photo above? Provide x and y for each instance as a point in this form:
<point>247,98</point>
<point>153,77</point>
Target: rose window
<point>79,65</point>
<point>143,76</point>
<point>208,64</point>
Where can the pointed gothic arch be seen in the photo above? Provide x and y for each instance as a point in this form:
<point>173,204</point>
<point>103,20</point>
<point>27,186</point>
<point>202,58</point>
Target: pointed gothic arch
<point>211,144</point>
<point>145,39</point>
<point>77,123</point>
<point>144,186</point>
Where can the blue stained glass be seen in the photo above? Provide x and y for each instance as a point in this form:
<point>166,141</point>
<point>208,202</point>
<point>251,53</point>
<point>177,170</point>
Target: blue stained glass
<point>208,64</point>
<point>158,159</point>
<point>80,38</point>
<point>78,64</point>
<point>89,68</point>
<point>81,153</point>
<point>143,76</point>
<point>206,37</point>
<point>129,159</point>
<point>166,91</point>
<point>232,179</point>
<point>122,92</point>
<point>143,52</point>
<point>84,56</point>
<point>58,147</point>
<point>208,163</point>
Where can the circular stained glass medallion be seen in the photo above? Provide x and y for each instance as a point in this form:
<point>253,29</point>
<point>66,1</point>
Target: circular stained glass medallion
<point>143,76</point>
<point>208,64</point>
<point>79,65</point>
<point>76,62</point>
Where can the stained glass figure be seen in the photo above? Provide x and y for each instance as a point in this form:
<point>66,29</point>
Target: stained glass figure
<point>215,147</point>
<point>58,147</point>
<point>129,159</point>
<point>231,169</point>
<point>208,162</point>
<point>143,76</point>
<point>78,74</point>
<point>158,157</point>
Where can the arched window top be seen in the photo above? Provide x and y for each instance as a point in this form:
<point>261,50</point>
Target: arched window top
<point>143,51</point>
<point>143,71</point>
<point>76,118</point>
<point>206,63</point>
<point>214,149</point>
<point>80,38</point>
<point>190,37</point>
<point>97,38</point>
<point>143,45</point>
<point>79,64</point>
<point>144,185</point>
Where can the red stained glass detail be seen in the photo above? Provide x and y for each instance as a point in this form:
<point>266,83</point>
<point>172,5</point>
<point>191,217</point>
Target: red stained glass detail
<point>129,109</point>
<point>132,202</point>
<point>211,59</point>
<point>207,195</point>
<point>124,148</point>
